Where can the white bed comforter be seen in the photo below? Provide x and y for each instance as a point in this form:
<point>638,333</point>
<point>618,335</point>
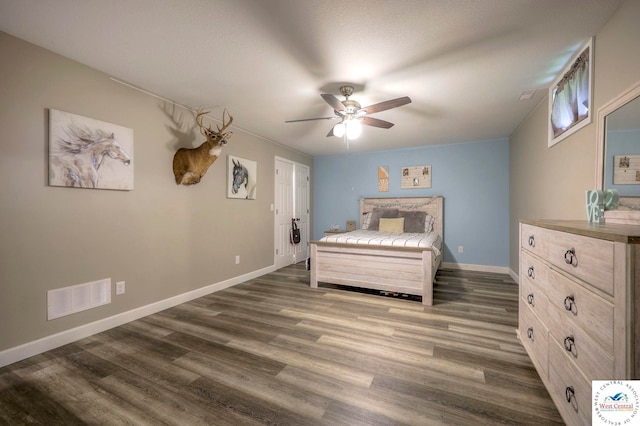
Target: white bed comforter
<point>376,238</point>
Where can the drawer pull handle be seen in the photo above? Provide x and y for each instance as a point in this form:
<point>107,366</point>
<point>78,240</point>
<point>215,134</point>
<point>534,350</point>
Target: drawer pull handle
<point>531,273</point>
<point>530,333</point>
<point>530,298</point>
<point>570,304</point>
<point>532,241</point>
<point>569,393</point>
<point>570,257</point>
<point>569,344</point>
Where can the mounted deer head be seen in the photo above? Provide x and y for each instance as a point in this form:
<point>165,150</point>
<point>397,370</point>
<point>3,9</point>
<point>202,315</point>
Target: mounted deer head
<point>190,164</point>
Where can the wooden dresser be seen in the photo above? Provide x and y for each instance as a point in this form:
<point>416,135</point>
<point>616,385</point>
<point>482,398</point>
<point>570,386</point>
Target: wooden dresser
<point>577,319</point>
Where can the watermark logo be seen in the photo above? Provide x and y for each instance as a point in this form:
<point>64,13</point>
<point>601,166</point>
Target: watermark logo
<point>615,402</point>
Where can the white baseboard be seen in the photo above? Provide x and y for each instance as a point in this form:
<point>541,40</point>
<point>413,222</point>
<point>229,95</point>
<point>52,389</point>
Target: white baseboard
<point>479,268</point>
<point>515,276</point>
<point>18,353</point>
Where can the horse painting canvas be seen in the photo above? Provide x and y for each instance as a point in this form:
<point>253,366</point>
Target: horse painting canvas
<point>89,153</point>
<point>242,178</point>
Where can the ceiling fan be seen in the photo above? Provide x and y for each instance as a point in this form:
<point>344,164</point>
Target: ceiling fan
<point>352,116</point>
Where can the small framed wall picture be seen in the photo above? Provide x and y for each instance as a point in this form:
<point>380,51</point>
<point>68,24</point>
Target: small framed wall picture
<point>242,178</point>
<point>383,178</point>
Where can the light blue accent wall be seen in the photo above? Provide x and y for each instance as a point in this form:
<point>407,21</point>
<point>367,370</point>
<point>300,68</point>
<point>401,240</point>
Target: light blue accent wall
<point>472,177</point>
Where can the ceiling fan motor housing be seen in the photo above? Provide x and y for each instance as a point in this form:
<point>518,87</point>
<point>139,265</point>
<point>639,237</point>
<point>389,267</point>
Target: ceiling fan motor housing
<point>350,106</point>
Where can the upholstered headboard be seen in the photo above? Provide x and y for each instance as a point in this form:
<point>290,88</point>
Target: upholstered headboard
<point>430,205</point>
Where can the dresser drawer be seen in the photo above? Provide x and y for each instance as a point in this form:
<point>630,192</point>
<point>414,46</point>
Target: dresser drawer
<point>589,311</point>
<point>568,388</point>
<point>535,240</point>
<point>533,269</point>
<point>594,362</point>
<point>589,259</point>
<point>533,296</point>
<point>534,337</point>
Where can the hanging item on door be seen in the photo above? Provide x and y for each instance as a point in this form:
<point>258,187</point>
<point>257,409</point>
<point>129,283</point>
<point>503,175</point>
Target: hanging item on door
<point>295,232</point>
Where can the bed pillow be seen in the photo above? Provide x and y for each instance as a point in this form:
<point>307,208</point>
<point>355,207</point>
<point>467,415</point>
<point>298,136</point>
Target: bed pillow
<point>380,213</point>
<point>391,225</point>
<point>428,223</point>
<point>366,220</point>
<point>414,221</point>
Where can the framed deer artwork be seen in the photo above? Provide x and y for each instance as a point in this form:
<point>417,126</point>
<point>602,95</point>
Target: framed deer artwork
<point>242,178</point>
<point>89,153</point>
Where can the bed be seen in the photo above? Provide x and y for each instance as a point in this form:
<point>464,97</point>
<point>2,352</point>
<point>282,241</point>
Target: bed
<point>392,261</point>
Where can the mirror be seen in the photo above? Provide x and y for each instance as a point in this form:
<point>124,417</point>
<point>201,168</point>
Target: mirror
<point>618,151</point>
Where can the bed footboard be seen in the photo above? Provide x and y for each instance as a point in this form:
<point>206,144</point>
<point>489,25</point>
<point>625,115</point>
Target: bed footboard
<point>400,269</point>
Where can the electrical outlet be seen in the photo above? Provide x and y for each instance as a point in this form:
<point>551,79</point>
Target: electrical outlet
<point>237,260</point>
<point>460,249</point>
<point>120,287</point>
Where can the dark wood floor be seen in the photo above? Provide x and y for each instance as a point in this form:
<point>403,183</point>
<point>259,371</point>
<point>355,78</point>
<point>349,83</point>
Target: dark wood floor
<point>274,351</point>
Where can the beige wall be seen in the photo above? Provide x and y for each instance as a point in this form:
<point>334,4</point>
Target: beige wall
<point>162,239</point>
<point>550,183</point>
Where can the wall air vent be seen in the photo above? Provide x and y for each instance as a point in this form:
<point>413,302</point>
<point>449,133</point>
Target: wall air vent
<point>77,298</point>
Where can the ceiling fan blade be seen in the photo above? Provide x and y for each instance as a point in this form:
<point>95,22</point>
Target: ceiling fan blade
<point>333,101</point>
<point>330,133</point>
<point>370,121</point>
<point>312,119</point>
<point>382,106</point>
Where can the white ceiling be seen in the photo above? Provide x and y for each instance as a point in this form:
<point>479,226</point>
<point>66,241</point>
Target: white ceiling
<point>463,62</point>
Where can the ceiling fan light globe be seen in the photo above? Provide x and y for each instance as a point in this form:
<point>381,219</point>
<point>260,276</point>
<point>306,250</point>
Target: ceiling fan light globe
<point>354,129</point>
<point>338,130</point>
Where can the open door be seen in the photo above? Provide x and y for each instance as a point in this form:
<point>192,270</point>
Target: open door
<point>302,209</point>
<point>292,189</point>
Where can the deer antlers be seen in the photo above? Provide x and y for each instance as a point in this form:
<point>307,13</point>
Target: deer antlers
<point>208,133</point>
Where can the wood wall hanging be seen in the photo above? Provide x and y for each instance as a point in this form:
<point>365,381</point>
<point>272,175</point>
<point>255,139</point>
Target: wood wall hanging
<point>416,177</point>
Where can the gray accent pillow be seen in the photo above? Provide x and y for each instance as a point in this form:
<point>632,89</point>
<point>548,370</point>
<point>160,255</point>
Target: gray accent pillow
<point>413,221</point>
<point>374,223</point>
